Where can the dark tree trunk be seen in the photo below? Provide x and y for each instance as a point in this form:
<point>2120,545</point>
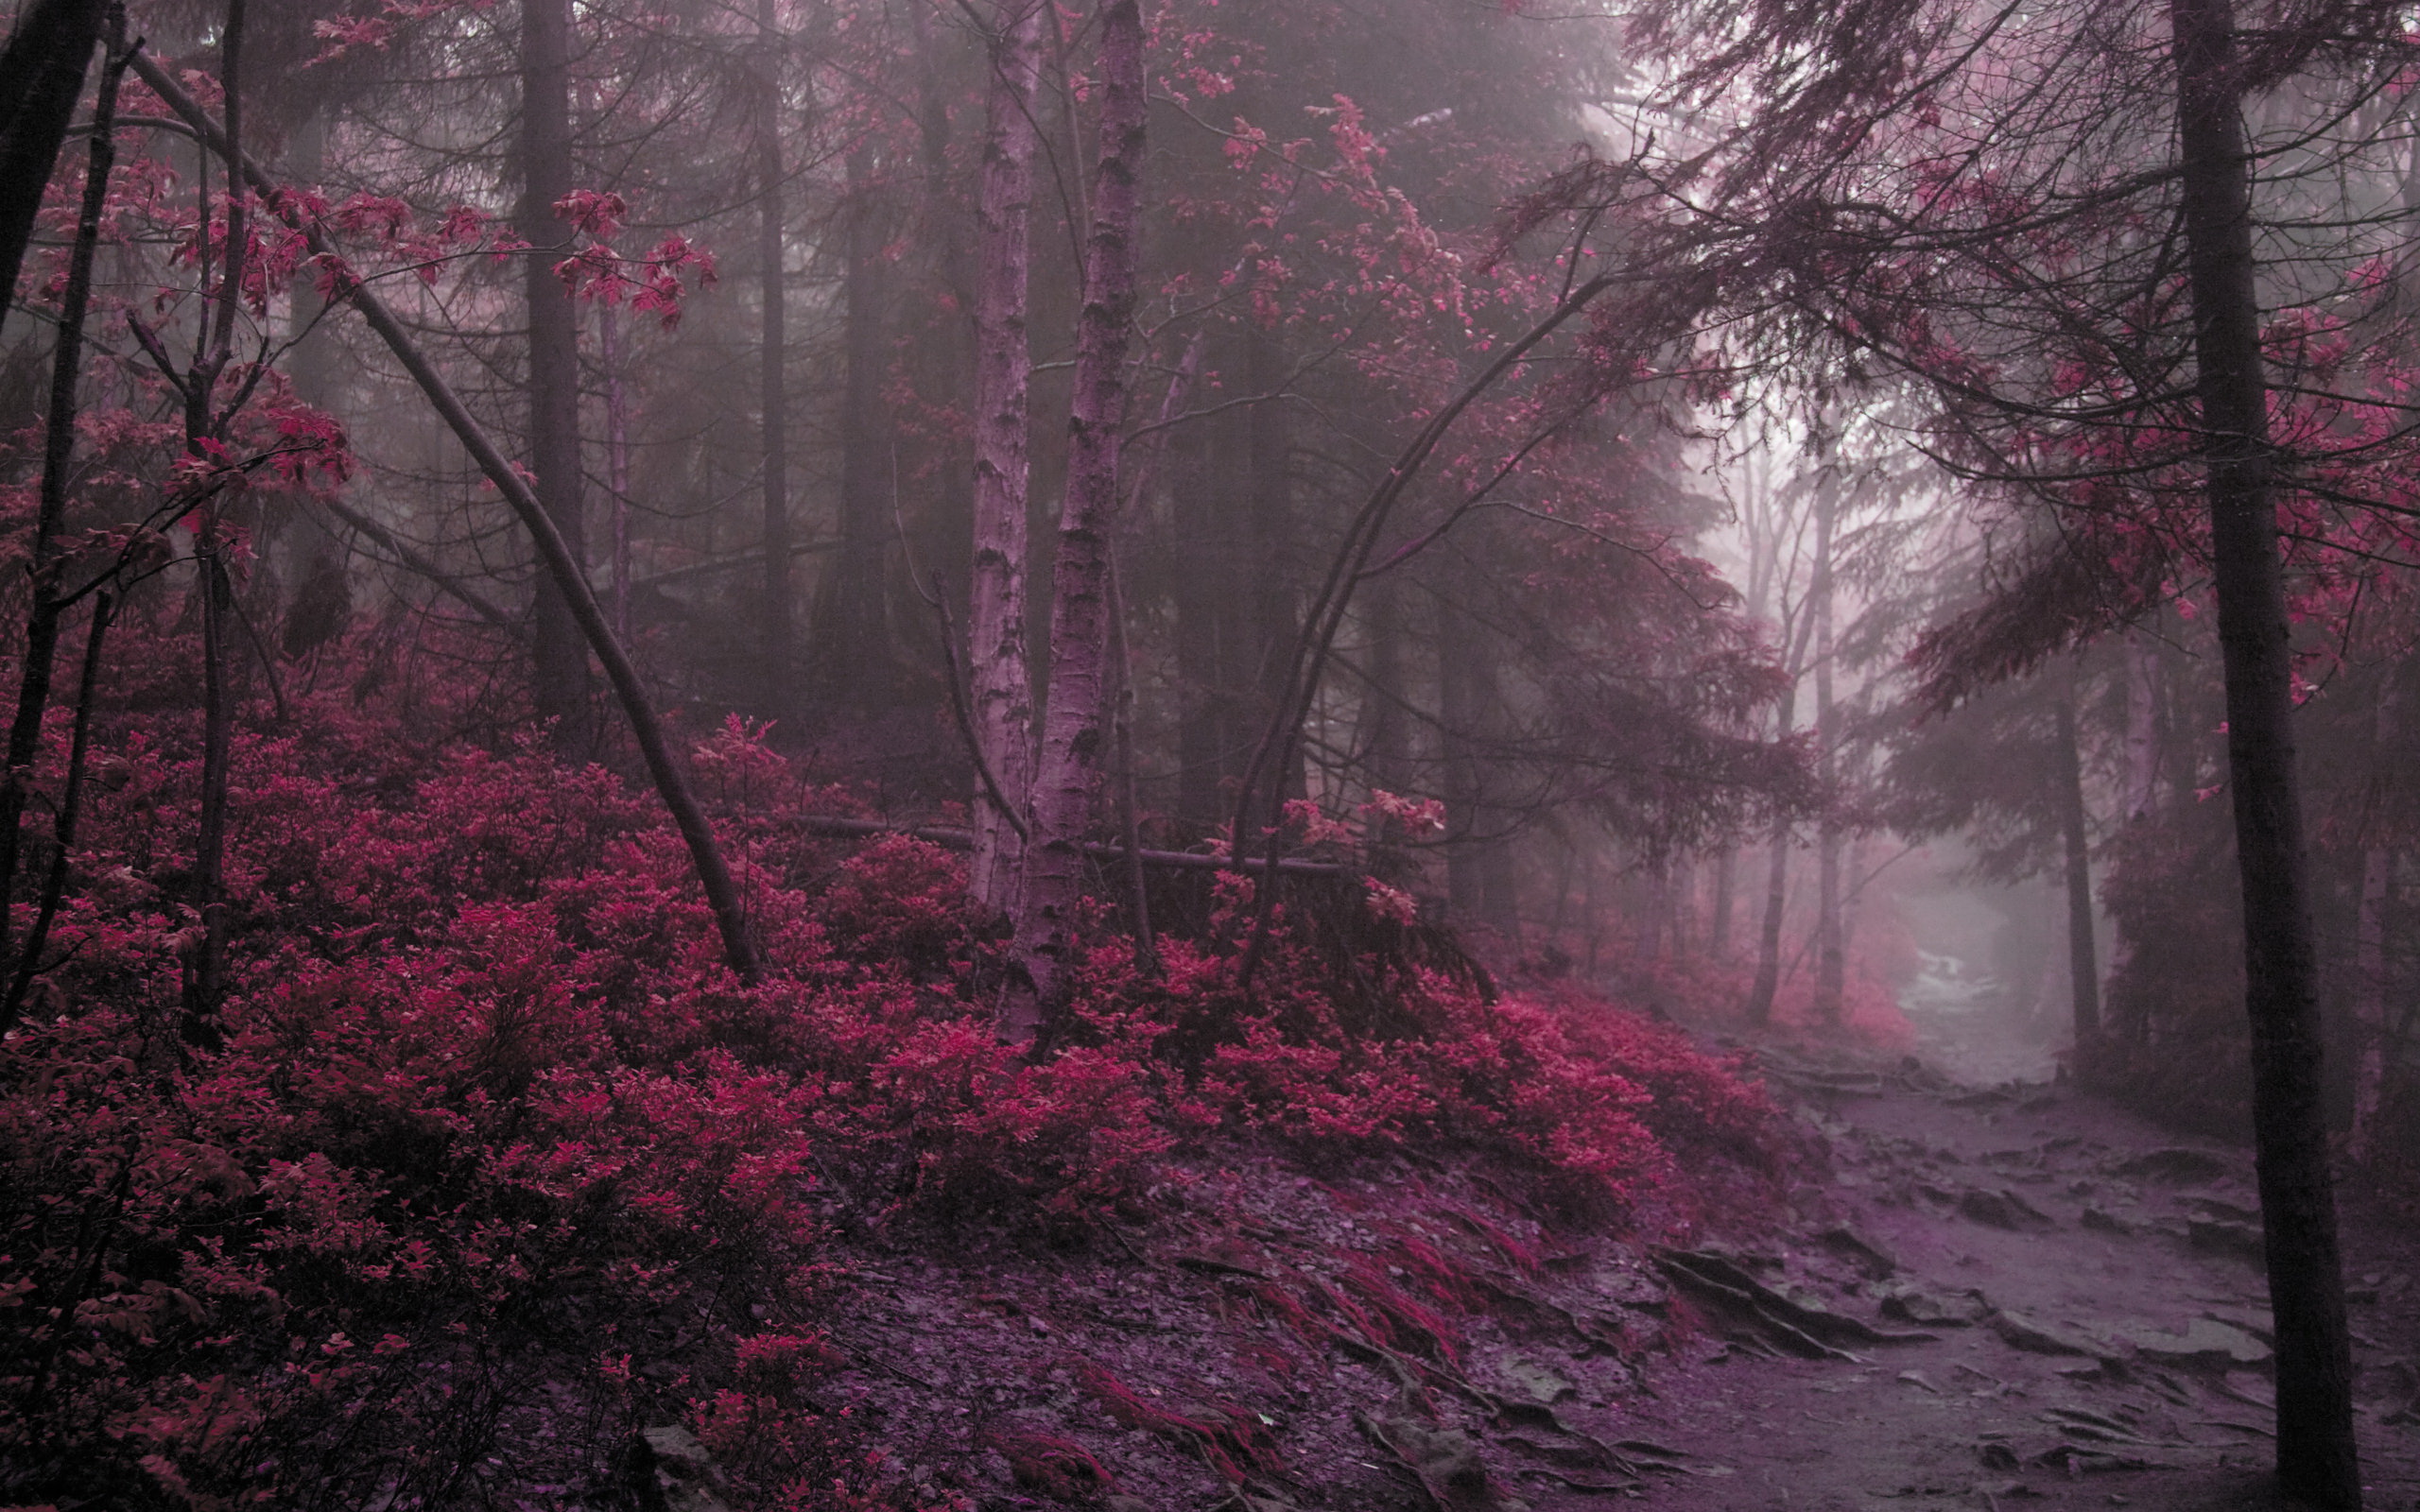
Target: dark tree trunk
<point>59,451</point>
<point>1767,980</point>
<point>1831,965</point>
<point>774,374</point>
<point>2084,971</point>
<point>41,74</point>
<point>559,661</point>
<point>1269,546</point>
<point>854,652</point>
<point>306,585</point>
<point>1726,868</point>
<point>71,809</point>
<point>2316,1455</point>
<point>1460,702</point>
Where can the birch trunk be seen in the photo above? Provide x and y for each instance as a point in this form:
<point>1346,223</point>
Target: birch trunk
<point>2317,1459</point>
<point>1067,779</point>
<point>1002,694</point>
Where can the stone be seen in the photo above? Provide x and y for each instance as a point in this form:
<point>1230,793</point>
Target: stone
<point>2176,1167</point>
<point>2035,1336</point>
<point>2205,1342</point>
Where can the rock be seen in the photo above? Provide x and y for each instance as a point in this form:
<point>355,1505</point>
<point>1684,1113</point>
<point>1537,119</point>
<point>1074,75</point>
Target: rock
<point>2221,1236</point>
<point>2205,1342</point>
<point>683,1472</point>
<point>1907,1302</point>
<point>2105,1222</point>
<point>2176,1167</point>
<point>1997,1457</point>
<point>2035,1336</point>
<point>1859,1252</point>
<point>2000,1210</point>
<point>2252,1320</point>
<point>1534,1380</point>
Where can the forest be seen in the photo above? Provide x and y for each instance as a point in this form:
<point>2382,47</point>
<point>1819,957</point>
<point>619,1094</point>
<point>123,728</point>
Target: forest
<point>1228,755</point>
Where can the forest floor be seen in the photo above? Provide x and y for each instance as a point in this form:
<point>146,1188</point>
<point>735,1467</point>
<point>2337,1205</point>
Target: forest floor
<point>1986,1292</point>
<point>2097,1317</point>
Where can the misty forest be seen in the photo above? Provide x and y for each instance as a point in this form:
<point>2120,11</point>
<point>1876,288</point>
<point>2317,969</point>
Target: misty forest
<point>1210,755</point>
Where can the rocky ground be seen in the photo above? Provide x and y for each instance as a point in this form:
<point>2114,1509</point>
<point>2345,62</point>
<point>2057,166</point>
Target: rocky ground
<point>1982,1293</point>
<point>2070,1313</point>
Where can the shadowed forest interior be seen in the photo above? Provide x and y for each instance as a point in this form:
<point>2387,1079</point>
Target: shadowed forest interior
<point>749,741</point>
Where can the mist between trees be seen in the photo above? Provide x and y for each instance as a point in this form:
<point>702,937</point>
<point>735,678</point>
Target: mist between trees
<point>1577,494</point>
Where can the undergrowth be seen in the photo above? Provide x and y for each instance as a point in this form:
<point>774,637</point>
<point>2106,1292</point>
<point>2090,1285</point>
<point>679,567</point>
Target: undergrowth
<point>496,1155</point>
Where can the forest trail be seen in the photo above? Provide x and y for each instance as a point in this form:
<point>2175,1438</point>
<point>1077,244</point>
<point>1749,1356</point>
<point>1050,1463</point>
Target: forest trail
<point>2091,1290</point>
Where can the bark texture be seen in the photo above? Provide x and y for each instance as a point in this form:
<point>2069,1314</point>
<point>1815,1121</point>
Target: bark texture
<point>1002,689</point>
<point>1066,782</point>
<point>2083,972</point>
<point>41,74</point>
<point>2316,1457</point>
<point>1831,964</point>
<point>558,664</point>
<point>773,354</point>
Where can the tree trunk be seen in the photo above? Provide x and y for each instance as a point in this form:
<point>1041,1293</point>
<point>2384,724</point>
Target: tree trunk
<point>1002,694</point>
<point>559,664</point>
<point>1726,868</point>
<point>50,514</point>
<point>41,75</point>
<point>2129,1021</point>
<point>2369,943</point>
<point>2316,1455</point>
<point>2083,972</point>
<point>71,809</point>
<point>617,464</point>
<point>1830,967</point>
<point>1767,980</point>
<point>774,610</point>
<point>855,649</point>
<point>206,964</point>
<point>1067,777</point>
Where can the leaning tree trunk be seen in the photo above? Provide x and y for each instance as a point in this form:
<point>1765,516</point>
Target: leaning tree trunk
<point>555,554</point>
<point>1002,693</point>
<point>559,664</point>
<point>1067,779</point>
<point>2316,1455</point>
<point>2083,972</point>
<point>46,609</point>
<point>42,74</point>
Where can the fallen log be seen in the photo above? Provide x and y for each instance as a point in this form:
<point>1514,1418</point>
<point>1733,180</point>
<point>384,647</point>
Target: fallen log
<point>952,838</point>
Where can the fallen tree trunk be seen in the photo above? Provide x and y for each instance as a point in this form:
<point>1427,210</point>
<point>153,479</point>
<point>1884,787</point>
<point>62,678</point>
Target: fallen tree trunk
<point>952,838</point>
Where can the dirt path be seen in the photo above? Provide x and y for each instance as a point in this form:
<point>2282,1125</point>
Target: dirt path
<point>2090,1290</point>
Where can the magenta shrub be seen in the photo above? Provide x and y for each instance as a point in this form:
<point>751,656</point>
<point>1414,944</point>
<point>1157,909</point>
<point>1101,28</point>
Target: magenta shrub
<point>488,1097</point>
